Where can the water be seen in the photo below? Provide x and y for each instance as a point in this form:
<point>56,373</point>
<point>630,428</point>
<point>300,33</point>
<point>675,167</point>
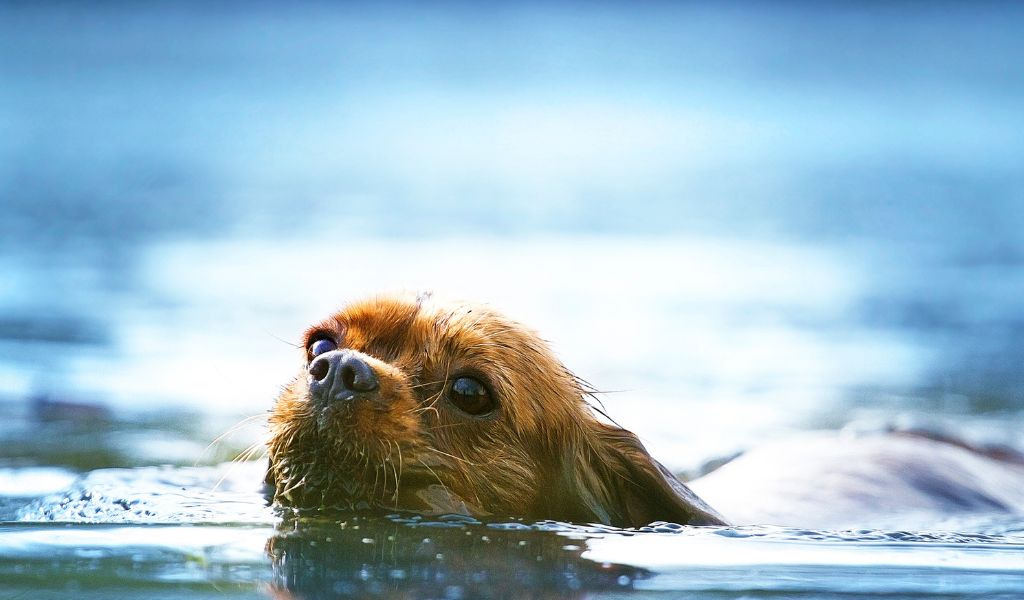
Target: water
<point>177,531</point>
<point>742,221</point>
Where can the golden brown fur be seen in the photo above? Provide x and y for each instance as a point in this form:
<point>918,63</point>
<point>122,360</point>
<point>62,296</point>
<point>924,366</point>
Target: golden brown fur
<point>541,454</point>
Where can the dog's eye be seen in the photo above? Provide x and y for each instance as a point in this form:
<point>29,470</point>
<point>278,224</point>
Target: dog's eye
<point>322,345</point>
<point>471,396</point>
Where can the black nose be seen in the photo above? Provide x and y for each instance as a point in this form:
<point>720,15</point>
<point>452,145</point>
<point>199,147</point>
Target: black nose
<point>340,374</point>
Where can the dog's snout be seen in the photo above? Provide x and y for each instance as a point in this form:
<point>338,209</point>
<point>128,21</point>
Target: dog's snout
<point>341,374</point>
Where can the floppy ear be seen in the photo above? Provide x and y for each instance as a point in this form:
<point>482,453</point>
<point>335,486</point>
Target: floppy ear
<point>610,478</point>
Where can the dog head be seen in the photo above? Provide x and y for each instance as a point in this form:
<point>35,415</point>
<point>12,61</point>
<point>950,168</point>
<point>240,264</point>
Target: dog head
<point>411,403</point>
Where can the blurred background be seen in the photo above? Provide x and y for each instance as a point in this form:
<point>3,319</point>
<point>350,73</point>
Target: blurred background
<point>741,219</point>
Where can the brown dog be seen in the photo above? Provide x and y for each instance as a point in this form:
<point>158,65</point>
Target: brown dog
<point>409,403</point>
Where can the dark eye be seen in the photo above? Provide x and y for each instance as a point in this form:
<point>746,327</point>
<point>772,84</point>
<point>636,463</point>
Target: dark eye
<point>471,396</point>
<point>322,345</point>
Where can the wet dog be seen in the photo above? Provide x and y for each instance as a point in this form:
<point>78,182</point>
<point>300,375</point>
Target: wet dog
<point>410,403</point>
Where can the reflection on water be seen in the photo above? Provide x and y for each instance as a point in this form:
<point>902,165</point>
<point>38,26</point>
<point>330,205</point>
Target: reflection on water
<point>446,559</point>
<point>355,556</point>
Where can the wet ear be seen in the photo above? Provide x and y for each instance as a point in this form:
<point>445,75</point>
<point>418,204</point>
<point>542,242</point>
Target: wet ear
<point>610,478</point>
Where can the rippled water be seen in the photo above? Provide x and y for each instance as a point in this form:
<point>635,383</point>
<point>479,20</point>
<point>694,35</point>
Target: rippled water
<point>173,532</point>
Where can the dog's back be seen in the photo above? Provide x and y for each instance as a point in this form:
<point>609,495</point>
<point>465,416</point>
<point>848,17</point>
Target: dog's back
<point>842,481</point>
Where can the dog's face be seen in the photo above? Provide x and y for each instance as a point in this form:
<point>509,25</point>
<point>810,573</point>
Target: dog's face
<point>410,403</point>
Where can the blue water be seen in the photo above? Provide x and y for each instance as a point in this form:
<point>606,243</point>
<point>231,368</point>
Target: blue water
<point>205,530</point>
<point>741,220</point>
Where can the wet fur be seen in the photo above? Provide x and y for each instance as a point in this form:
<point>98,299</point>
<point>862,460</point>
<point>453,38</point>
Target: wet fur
<point>544,454</point>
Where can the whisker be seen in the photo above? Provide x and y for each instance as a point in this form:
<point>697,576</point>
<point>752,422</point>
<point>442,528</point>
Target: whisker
<point>376,478</point>
<point>394,469</point>
<point>433,399</point>
<point>233,429</point>
<point>243,456</point>
<point>282,340</point>
<point>248,453</point>
<point>444,384</point>
<point>432,472</point>
<point>398,447</point>
<point>460,459</point>
<point>301,482</point>
<point>422,409</point>
<point>426,384</point>
<point>445,426</point>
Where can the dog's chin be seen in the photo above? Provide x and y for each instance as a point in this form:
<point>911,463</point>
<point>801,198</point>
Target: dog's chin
<point>351,469</point>
<point>417,490</point>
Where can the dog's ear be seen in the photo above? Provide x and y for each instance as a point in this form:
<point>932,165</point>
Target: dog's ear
<point>610,478</point>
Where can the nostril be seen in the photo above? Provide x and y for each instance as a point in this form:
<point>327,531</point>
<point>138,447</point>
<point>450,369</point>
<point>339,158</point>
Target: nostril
<point>319,369</point>
<point>348,377</point>
<point>358,376</point>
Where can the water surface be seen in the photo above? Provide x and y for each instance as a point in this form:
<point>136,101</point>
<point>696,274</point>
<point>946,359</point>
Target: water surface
<point>174,532</point>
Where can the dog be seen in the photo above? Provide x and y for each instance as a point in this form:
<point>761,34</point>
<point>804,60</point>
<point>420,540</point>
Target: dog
<point>408,402</point>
